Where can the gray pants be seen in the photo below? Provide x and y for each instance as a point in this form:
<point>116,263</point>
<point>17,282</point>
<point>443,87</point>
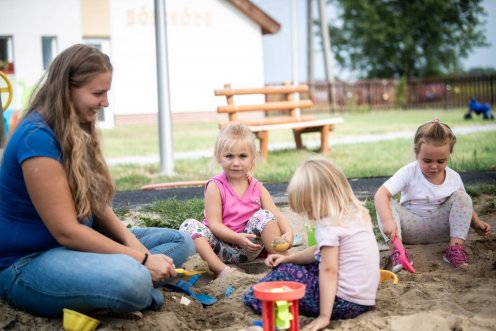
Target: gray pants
<point>451,220</point>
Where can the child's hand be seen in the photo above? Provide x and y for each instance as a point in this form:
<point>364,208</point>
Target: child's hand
<point>317,324</point>
<point>389,228</point>
<point>288,236</point>
<point>482,228</point>
<point>246,242</point>
<point>273,260</point>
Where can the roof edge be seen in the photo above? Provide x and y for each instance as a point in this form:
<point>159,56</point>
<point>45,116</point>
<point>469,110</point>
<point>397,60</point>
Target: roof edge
<point>267,23</point>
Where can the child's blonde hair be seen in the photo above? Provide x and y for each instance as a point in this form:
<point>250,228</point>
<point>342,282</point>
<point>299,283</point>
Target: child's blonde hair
<point>435,133</point>
<point>319,189</point>
<point>234,134</point>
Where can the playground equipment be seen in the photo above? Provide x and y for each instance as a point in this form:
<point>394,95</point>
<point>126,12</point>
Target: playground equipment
<point>279,304</point>
<point>5,88</point>
<point>479,108</point>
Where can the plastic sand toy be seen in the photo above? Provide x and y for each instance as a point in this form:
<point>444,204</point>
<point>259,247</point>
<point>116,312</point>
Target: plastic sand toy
<point>310,229</point>
<point>280,244</point>
<point>404,260</point>
<point>185,287</point>
<point>188,272</point>
<point>75,321</point>
<point>279,304</point>
<point>387,275</point>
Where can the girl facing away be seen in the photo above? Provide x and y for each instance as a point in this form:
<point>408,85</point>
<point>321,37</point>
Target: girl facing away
<point>341,273</point>
<point>62,246</point>
<point>433,206</point>
<point>240,218</point>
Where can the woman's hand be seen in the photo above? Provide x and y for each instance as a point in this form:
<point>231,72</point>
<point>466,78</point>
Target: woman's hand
<point>273,260</point>
<point>160,267</point>
<point>317,324</point>
<point>245,242</point>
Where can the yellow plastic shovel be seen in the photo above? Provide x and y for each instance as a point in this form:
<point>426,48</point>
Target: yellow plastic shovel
<point>189,273</point>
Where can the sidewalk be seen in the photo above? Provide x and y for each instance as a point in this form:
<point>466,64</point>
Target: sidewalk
<point>142,160</point>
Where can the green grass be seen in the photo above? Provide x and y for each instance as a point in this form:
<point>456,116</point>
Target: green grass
<point>472,152</point>
<point>172,212</point>
<point>142,140</point>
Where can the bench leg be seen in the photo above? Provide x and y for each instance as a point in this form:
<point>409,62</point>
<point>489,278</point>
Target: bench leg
<point>297,138</point>
<point>324,140</point>
<point>264,144</point>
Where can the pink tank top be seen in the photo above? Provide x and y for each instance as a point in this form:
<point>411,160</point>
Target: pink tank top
<point>237,211</point>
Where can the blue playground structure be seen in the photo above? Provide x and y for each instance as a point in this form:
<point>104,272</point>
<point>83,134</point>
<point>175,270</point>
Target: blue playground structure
<point>479,108</point>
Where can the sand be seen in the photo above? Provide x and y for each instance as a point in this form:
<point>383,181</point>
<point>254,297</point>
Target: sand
<point>437,297</point>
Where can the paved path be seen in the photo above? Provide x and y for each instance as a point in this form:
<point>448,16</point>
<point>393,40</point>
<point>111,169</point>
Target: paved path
<point>310,144</point>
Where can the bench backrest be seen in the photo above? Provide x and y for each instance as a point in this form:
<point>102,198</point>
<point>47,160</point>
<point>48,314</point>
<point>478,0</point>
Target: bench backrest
<point>288,104</point>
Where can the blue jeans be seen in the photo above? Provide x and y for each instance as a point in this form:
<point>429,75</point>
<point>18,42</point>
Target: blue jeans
<point>44,283</point>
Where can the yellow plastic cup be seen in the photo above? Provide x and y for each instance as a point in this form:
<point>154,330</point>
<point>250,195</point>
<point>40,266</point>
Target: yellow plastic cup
<point>75,321</point>
<point>310,228</point>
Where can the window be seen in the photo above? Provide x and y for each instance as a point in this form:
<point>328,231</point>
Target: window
<point>6,55</point>
<point>49,49</point>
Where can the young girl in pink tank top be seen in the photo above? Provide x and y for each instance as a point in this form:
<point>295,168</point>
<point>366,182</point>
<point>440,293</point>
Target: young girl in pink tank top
<point>240,218</point>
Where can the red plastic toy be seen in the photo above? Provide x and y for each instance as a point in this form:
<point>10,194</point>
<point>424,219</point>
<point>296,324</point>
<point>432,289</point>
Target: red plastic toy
<point>270,292</point>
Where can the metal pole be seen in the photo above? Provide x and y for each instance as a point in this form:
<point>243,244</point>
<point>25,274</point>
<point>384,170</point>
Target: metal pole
<point>326,39</point>
<point>294,43</point>
<point>309,43</point>
<point>164,109</point>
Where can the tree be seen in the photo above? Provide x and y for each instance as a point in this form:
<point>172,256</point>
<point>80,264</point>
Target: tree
<point>412,38</point>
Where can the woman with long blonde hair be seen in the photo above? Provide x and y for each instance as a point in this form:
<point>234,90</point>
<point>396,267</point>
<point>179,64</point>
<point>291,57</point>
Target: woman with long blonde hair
<point>62,244</point>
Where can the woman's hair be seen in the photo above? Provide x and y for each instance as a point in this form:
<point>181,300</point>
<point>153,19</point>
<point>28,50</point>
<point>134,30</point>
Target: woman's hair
<point>319,189</point>
<point>234,134</point>
<point>435,133</point>
<point>87,173</point>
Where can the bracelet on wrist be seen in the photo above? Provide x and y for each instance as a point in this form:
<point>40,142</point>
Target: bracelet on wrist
<point>144,259</point>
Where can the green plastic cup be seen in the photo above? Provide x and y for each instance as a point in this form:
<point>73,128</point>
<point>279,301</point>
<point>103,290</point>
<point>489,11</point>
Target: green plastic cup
<point>310,228</point>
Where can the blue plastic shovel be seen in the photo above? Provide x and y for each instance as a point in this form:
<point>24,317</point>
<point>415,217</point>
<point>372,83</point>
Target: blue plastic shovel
<point>185,287</point>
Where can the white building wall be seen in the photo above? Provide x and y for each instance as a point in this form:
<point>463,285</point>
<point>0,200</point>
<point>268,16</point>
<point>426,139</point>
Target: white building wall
<point>210,43</point>
<point>27,21</point>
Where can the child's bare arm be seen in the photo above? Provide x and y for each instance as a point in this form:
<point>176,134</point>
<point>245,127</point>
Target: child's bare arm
<point>482,228</point>
<point>306,256</point>
<point>381,200</point>
<point>284,226</point>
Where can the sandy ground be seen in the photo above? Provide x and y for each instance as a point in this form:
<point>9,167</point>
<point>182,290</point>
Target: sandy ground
<point>437,297</point>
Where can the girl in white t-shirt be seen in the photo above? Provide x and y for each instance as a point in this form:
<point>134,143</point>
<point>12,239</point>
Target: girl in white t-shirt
<point>434,206</point>
<point>341,272</point>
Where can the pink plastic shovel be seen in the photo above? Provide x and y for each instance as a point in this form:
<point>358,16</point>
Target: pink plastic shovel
<point>404,260</point>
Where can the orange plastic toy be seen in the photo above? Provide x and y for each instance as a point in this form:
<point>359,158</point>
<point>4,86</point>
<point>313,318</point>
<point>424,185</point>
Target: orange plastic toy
<point>270,292</point>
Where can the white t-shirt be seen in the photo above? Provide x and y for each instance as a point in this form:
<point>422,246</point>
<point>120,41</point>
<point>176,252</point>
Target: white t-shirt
<point>358,276</point>
<point>419,195</point>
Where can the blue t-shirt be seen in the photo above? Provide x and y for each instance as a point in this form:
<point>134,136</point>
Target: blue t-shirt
<point>22,231</point>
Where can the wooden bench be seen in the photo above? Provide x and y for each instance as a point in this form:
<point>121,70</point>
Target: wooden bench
<point>288,107</point>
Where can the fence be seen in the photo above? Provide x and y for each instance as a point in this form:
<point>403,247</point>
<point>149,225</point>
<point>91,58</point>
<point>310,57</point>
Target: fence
<point>436,92</point>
